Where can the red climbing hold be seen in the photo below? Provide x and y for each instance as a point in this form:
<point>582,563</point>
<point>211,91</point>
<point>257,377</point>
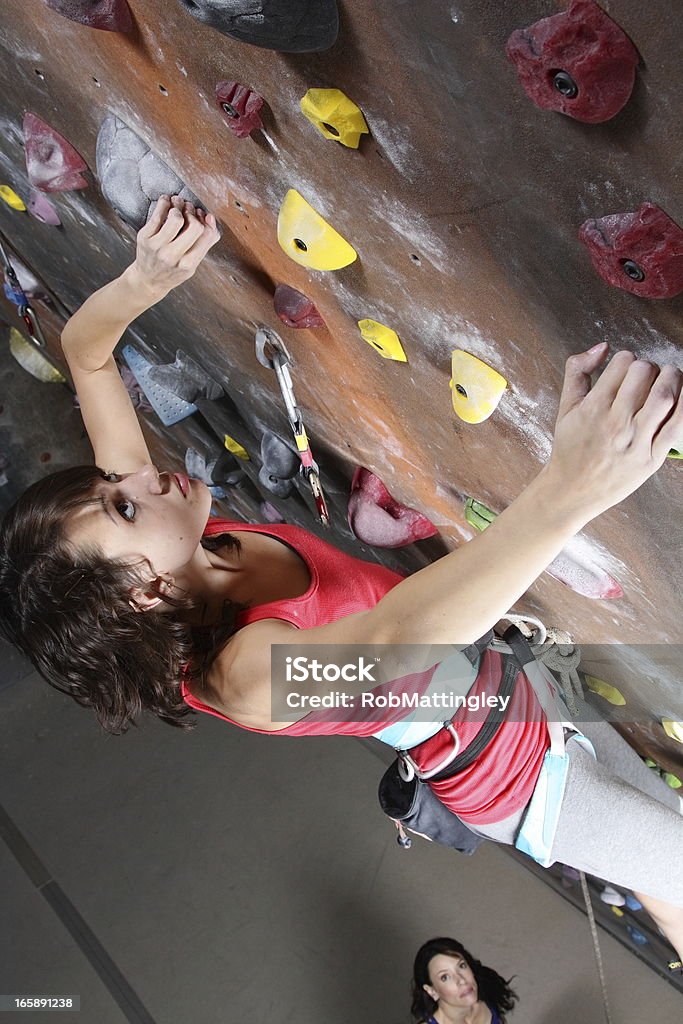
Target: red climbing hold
<point>40,207</point>
<point>240,107</point>
<point>641,252</point>
<point>377,518</point>
<point>579,63</point>
<point>52,163</point>
<point>110,15</point>
<point>295,309</point>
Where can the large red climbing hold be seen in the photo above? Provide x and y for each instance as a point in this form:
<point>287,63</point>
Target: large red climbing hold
<point>295,309</point>
<point>52,163</point>
<point>579,63</point>
<point>641,252</point>
<point>378,519</point>
<point>110,15</point>
<point>240,107</point>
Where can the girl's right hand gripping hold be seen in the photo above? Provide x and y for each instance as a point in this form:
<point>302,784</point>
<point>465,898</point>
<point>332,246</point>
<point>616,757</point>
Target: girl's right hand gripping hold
<point>612,436</point>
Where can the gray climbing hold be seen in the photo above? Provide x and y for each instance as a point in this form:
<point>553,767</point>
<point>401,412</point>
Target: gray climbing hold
<point>132,176</point>
<point>186,379</point>
<point>280,463</point>
<point>169,408</point>
<point>290,26</point>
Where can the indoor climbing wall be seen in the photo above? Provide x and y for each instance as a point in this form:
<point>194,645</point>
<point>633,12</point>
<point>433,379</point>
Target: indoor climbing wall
<point>426,208</point>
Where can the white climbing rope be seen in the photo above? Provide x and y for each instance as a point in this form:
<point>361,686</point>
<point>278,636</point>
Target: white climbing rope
<point>554,647</point>
<point>596,946</point>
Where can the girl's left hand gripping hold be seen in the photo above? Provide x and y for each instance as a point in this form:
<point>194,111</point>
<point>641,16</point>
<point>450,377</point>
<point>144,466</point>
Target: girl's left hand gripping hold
<point>172,244</point>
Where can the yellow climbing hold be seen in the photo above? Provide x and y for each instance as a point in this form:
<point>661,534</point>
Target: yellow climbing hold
<point>11,198</point>
<point>33,361</point>
<point>335,116</point>
<point>476,389</point>
<point>236,448</point>
<point>673,729</point>
<point>605,690</point>
<point>383,339</point>
<point>618,911</point>
<point>308,239</point>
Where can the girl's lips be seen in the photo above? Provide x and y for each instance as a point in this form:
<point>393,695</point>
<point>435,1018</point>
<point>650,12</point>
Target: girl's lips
<point>183,483</point>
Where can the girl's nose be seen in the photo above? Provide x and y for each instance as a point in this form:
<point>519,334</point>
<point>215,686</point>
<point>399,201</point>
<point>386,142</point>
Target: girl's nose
<point>147,477</point>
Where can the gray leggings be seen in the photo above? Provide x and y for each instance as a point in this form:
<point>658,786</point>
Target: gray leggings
<point>618,820</point>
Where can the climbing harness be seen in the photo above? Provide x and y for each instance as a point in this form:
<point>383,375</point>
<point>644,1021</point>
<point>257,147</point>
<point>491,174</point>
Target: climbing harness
<point>16,294</point>
<point>271,353</point>
<point>403,793</point>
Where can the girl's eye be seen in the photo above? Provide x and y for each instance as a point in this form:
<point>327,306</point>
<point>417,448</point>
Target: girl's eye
<point>121,508</point>
<point>111,477</point>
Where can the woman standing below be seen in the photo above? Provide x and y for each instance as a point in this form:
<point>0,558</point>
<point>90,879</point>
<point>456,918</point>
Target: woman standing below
<point>451,987</point>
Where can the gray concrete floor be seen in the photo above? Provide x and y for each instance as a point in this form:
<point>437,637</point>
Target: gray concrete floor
<point>229,877</point>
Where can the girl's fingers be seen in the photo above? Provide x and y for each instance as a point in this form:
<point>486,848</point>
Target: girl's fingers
<point>662,413</point>
<point>606,389</point>
<point>173,224</point>
<point>191,232</point>
<point>577,376</point>
<point>636,387</point>
<point>163,205</point>
<point>198,251</point>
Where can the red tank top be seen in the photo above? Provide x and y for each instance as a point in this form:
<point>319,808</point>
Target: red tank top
<point>502,778</point>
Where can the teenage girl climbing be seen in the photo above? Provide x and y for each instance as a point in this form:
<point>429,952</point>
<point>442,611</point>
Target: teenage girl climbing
<point>451,987</point>
<point>112,582</point>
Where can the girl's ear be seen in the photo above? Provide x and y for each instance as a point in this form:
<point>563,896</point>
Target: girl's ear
<point>144,599</point>
<point>431,992</point>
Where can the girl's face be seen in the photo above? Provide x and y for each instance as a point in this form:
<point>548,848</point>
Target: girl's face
<point>452,981</point>
<point>148,515</point>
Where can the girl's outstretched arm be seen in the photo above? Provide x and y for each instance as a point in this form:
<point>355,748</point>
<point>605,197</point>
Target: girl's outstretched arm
<point>608,440</point>
<point>169,249</point>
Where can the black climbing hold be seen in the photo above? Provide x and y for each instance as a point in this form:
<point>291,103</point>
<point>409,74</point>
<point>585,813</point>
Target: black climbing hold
<point>290,26</point>
<point>565,84</point>
<point>632,270</point>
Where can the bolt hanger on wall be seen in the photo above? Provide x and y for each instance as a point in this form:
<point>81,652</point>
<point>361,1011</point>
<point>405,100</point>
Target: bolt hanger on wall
<point>271,353</point>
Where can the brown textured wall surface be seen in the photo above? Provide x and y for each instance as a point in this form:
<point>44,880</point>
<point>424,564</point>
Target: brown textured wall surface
<point>461,171</point>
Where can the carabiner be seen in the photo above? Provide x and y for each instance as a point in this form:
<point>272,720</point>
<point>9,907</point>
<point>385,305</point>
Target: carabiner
<point>408,770</point>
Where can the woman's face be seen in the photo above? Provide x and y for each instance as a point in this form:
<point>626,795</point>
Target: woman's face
<point>148,515</point>
<point>451,981</point>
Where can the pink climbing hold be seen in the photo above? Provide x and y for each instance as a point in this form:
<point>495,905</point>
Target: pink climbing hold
<point>270,513</point>
<point>378,519</point>
<point>110,15</point>
<point>40,207</point>
<point>582,578</point>
<point>52,163</point>
<point>295,309</point>
<point>240,107</point>
<point>641,252</point>
<point>579,63</point>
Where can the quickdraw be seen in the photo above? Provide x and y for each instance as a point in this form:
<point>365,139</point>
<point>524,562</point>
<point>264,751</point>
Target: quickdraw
<point>271,353</point>
<point>16,294</point>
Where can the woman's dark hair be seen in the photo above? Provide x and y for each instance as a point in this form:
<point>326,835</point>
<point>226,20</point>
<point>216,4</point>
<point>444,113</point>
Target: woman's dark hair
<point>493,990</point>
<point>67,610</point>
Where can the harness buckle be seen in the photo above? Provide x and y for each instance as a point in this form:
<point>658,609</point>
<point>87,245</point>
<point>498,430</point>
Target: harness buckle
<point>408,769</point>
